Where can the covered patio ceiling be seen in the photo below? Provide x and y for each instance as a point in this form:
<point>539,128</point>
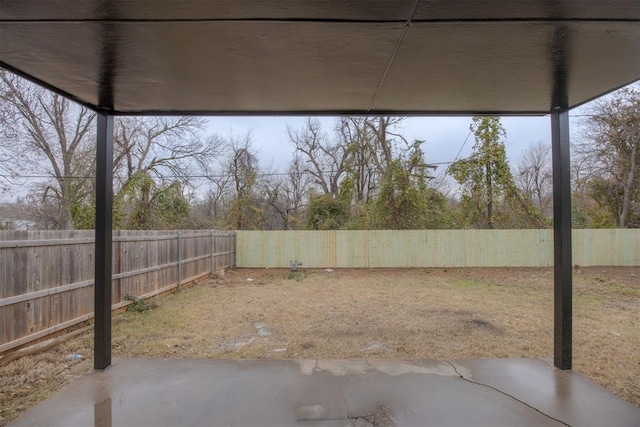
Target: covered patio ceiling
<point>323,56</point>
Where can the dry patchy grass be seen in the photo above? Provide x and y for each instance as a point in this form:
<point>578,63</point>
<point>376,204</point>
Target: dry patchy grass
<point>397,314</point>
<point>27,381</point>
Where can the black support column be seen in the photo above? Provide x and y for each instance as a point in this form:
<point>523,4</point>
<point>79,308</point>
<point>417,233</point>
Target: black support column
<point>562,301</point>
<point>103,250</point>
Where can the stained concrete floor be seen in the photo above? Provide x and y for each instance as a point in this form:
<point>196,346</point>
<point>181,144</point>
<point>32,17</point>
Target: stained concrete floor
<point>363,393</point>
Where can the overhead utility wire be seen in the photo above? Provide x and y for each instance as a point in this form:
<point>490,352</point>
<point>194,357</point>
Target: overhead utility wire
<point>460,150</point>
<point>264,174</point>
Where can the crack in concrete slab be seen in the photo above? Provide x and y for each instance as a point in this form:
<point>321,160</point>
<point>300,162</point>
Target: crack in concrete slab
<point>504,393</point>
<point>381,417</point>
<point>346,404</point>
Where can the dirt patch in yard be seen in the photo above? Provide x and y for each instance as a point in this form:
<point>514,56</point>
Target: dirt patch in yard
<point>390,314</point>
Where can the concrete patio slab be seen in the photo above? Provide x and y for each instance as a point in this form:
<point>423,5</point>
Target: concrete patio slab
<point>323,393</point>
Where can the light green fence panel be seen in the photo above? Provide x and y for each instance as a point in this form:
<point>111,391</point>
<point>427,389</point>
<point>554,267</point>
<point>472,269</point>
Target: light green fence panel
<point>431,248</point>
<point>618,247</point>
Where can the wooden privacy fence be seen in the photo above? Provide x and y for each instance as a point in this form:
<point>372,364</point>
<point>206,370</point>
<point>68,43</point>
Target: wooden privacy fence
<point>47,277</point>
<point>432,248</point>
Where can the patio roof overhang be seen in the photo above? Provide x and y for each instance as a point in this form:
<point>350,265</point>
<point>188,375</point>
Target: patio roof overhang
<point>323,57</point>
<point>397,57</point>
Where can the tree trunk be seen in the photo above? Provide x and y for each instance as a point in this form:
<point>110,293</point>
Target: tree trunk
<point>489,197</point>
<point>66,219</point>
<point>626,199</point>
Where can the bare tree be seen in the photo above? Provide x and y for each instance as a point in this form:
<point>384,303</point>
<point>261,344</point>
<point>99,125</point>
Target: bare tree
<point>245,211</point>
<point>327,160</point>
<point>157,157</point>
<point>387,139</point>
<point>297,187</point>
<point>614,134</point>
<point>166,148</point>
<point>219,195</point>
<point>361,147</point>
<point>285,195</point>
<point>374,143</point>
<point>50,136</point>
<point>534,176</point>
<point>53,138</point>
<point>364,171</point>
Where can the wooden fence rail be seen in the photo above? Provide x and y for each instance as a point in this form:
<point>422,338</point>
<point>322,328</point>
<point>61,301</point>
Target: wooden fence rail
<point>47,277</point>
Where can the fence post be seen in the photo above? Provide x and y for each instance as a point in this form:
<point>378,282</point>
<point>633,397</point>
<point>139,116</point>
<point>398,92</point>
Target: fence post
<point>232,249</point>
<point>118,267</point>
<point>179,262</point>
<point>213,251</point>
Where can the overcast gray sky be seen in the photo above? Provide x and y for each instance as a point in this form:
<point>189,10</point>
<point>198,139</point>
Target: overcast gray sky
<point>443,136</point>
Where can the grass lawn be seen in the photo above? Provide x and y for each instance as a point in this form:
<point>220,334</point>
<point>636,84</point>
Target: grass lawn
<point>393,314</point>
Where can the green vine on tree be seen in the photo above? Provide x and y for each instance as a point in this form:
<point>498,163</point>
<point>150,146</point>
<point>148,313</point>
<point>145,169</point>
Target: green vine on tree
<point>490,198</point>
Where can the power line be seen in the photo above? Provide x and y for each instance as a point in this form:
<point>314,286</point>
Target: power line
<point>161,175</point>
<point>262,174</point>
<point>460,150</point>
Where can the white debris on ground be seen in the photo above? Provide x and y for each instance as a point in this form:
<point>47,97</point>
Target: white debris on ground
<point>233,344</point>
<point>263,336</point>
<point>376,347</point>
<point>249,279</point>
<point>263,331</point>
<point>328,270</point>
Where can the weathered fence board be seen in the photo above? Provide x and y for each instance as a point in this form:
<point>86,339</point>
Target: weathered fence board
<point>432,248</point>
<point>47,277</point>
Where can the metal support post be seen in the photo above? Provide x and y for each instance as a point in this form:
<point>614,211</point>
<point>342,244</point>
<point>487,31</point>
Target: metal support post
<point>562,294</point>
<point>103,238</point>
